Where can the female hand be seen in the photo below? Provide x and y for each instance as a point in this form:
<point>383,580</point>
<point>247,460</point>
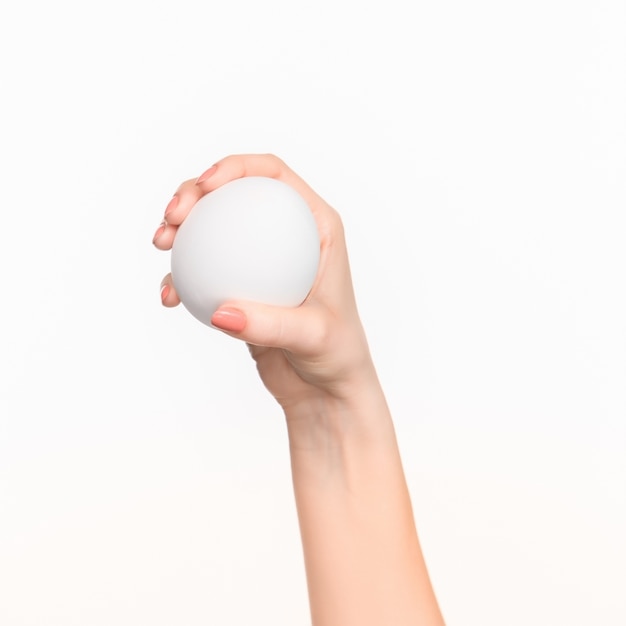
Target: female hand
<point>316,348</point>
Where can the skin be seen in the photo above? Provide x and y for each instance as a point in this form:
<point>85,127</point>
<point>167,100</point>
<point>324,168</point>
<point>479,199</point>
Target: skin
<point>363,560</point>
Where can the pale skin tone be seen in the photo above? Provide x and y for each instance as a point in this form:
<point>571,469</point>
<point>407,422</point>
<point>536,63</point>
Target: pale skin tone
<point>363,561</point>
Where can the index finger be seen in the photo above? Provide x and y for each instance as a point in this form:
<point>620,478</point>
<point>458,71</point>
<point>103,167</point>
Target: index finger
<point>269,165</point>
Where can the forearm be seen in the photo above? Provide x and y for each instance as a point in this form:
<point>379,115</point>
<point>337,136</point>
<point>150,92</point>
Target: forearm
<point>362,555</point>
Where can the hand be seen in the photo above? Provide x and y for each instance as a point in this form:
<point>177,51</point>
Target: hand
<point>301,352</point>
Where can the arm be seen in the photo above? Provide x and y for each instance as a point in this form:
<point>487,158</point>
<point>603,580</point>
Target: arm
<point>363,559</point>
<point>362,555</point>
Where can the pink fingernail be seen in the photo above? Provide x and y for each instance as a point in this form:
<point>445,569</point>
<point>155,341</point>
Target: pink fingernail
<point>229,319</point>
<point>171,205</point>
<point>159,231</point>
<point>165,290</point>
<point>206,175</point>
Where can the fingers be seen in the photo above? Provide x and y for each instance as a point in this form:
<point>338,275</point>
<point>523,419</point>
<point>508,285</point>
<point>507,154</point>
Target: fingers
<point>169,297</point>
<point>231,168</point>
<point>175,213</point>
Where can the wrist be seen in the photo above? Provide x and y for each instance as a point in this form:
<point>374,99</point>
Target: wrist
<point>324,422</point>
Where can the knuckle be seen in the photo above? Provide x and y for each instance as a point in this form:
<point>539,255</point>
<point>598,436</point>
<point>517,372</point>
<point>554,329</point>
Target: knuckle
<point>274,163</point>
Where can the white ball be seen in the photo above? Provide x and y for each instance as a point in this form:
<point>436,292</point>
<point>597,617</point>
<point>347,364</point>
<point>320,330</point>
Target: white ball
<point>253,238</point>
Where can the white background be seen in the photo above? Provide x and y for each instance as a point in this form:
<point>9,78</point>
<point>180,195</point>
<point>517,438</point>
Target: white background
<point>477,153</point>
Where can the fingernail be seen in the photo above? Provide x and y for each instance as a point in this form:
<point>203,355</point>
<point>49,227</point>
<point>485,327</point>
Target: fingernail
<point>171,205</point>
<point>159,231</point>
<point>229,319</point>
<point>165,290</point>
<point>206,175</point>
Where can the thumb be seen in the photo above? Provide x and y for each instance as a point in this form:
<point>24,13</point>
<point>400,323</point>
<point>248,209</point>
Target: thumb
<point>298,329</point>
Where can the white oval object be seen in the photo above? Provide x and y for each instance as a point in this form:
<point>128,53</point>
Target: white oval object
<point>253,238</point>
